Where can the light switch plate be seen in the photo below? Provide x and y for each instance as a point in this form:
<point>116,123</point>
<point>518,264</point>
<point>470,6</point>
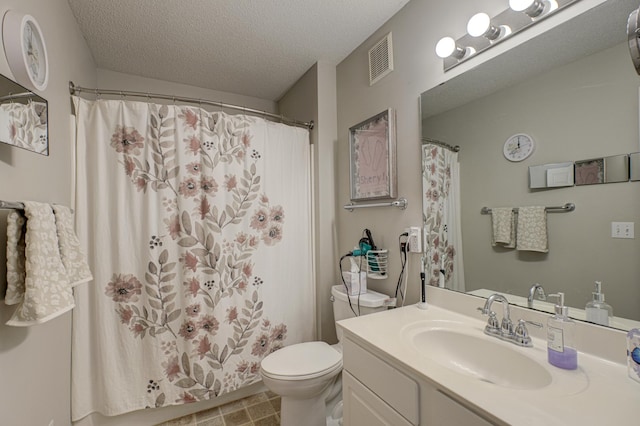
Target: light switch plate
<point>622,230</point>
<point>415,239</point>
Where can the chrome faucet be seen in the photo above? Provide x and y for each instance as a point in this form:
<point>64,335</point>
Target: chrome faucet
<point>535,289</point>
<point>506,327</point>
<point>519,336</point>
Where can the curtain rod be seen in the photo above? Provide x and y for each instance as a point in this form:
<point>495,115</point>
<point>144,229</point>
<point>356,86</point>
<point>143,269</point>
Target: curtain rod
<point>73,89</point>
<point>442,144</point>
<point>17,96</point>
<point>13,205</point>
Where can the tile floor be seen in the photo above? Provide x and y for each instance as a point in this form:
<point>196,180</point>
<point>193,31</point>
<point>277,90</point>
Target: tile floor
<point>262,409</point>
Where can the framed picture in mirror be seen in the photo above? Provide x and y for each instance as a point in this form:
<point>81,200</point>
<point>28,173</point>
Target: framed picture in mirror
<point>372,157</point>
<point>589,172</point>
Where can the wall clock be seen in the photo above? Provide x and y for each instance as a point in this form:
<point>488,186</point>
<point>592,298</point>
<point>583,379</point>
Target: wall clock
<point>518,147</point>
<point>25,49</point>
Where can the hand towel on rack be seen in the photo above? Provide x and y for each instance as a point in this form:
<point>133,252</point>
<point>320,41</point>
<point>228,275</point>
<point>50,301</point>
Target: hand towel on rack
<point>47,292</point>
<point>532,229</point>
<point>504,227</point>
<point>73,259</point>
<point>15,258</point>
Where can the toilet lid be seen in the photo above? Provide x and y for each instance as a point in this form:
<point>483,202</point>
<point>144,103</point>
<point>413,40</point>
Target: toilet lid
<point>302,361</point>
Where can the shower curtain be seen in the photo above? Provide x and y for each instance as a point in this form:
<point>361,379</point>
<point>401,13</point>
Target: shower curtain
<point>441,214</point>
<point>198,228</point>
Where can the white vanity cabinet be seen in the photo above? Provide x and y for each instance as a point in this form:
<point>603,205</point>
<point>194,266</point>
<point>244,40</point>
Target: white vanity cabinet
<point>362,407</point>
<point>378,393</point>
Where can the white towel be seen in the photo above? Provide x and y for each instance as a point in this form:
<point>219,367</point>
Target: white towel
<point>74,261</point>
<point>532,229</point>
<point>15,258</point>
<point>504,227</point>
<point>44,292</point>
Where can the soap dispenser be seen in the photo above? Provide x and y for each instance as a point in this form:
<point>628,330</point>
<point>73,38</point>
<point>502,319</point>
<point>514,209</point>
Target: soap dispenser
<point>561,350</point>
<point>597,310</point>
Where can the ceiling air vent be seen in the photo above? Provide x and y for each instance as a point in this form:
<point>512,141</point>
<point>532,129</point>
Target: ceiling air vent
<point>380,60</point>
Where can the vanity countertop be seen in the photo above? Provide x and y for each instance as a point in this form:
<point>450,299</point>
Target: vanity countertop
<point>599,392</point>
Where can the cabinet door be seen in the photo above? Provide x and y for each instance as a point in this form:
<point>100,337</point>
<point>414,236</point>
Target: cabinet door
<point>444,411</point>
<point>363,408</point>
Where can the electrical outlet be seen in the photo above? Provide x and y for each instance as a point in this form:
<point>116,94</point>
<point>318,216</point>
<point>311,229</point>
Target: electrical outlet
<point>622,230</point>
<point>415,239</point>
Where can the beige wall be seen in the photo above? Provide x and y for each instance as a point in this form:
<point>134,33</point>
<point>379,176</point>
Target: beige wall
<point>583,110</point>
<point>416,30</point>
<point>35,361</point>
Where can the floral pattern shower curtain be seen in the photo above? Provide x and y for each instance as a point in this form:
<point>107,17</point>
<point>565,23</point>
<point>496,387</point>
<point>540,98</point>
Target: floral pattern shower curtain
<point>198,229</point>
<point>441,216</point>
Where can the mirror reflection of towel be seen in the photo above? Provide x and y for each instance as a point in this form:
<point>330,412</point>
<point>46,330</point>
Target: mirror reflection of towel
<point>504,229</point>
<point>532,229</point>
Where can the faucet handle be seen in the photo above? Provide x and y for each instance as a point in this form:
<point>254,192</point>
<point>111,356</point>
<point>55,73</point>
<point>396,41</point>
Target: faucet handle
<point>493,325</point>
<point>521,334</point>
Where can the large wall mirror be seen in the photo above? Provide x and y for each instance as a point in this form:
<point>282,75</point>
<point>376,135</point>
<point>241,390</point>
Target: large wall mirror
<point>574,90</point>
<point>23,117</point>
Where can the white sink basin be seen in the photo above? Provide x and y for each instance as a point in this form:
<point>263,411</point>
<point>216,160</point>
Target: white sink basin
<point>470,352</point>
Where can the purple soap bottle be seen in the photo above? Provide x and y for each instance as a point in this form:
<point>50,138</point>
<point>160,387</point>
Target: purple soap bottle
<point>561,350</point>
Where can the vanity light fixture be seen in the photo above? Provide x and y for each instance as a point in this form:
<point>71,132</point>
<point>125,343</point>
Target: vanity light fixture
<point>533,8</point>
<point>447,47</point>
<point>480,26</point>
<point>484,31</point>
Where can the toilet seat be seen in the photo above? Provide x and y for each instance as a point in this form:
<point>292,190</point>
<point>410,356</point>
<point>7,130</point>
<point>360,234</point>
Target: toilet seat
<point>302,361</point>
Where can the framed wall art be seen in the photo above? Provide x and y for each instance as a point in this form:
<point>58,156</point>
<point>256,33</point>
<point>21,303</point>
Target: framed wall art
<point>372,157</point>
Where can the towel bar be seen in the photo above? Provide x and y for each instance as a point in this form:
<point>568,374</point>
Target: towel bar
<point>569,207</point>
<point>11,205</point>
<point>401,203</point>
<point>14,205</point>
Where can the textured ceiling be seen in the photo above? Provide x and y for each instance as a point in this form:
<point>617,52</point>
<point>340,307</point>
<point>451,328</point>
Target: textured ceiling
<point>257,48</point>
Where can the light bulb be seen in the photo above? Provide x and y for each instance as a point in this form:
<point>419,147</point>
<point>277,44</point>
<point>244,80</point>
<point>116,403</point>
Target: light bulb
<point>479,24</point>
<point>533,8</point>
<point>445,47</point>
<point>520,5</point>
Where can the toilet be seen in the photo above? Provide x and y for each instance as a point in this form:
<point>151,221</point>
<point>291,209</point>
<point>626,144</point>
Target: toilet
<point>307,375</point>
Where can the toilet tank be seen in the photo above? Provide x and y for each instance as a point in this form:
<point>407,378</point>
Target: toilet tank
<point>363,304</point>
